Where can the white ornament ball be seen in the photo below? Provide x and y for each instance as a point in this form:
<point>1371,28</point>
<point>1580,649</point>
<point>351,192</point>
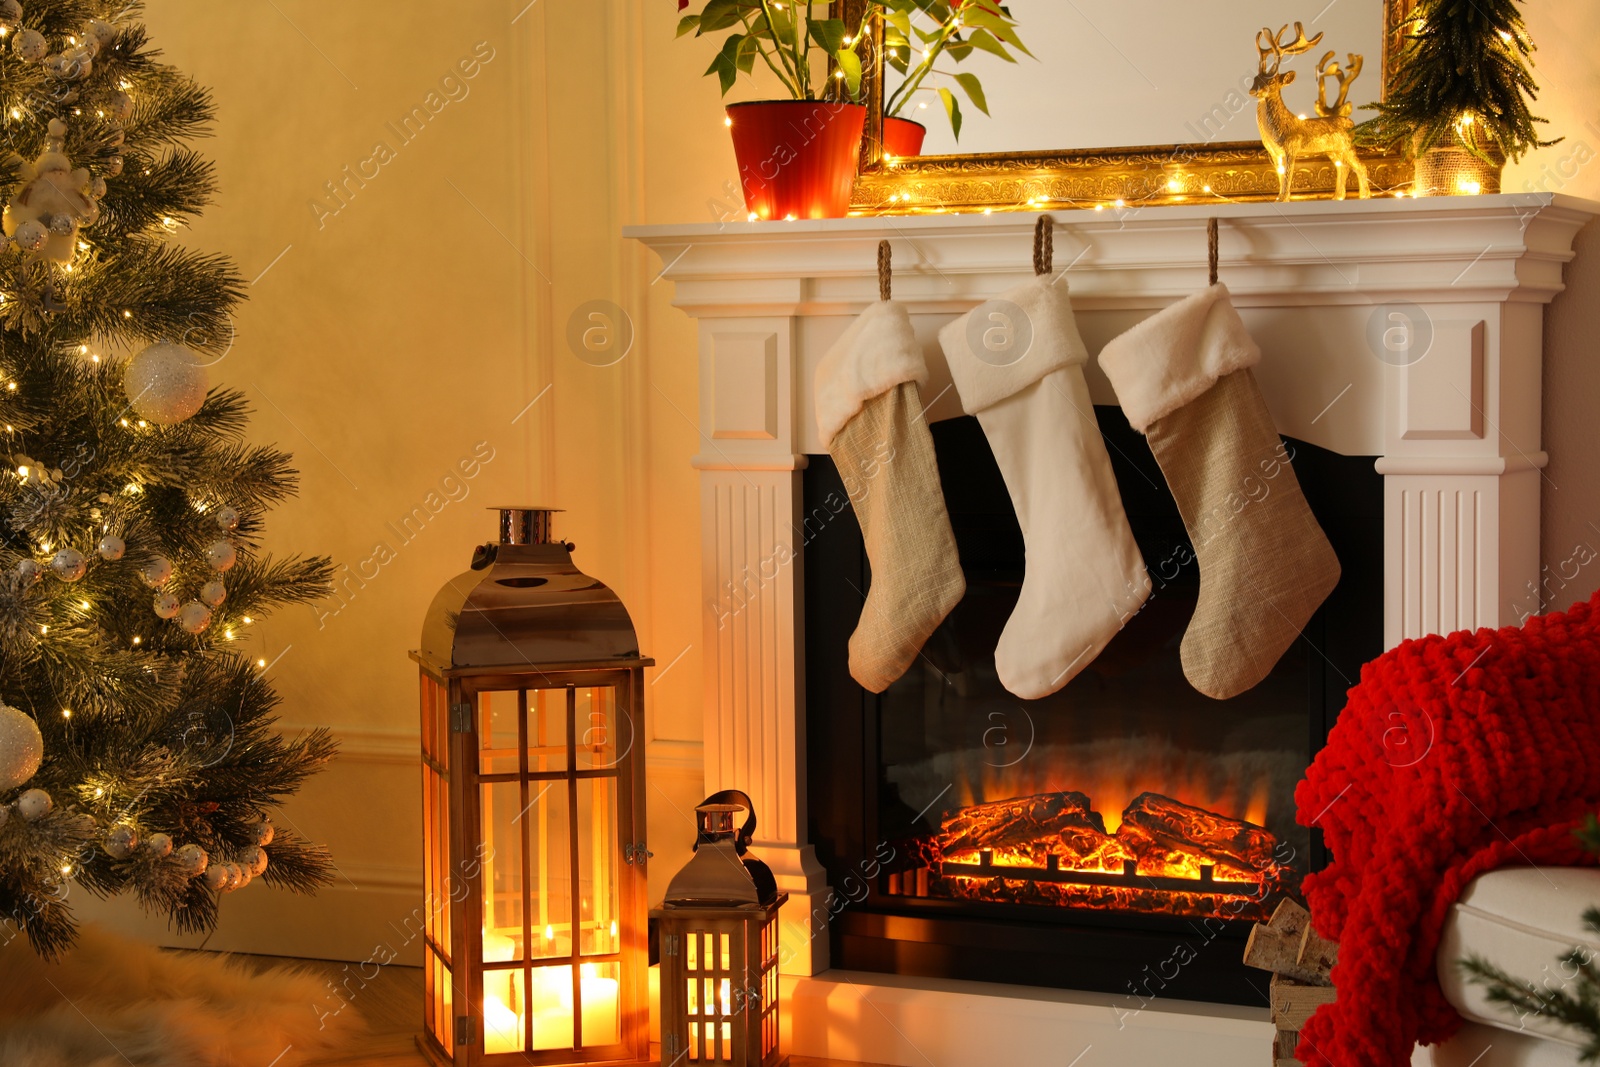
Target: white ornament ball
<point>165,605</point>
<point>254,860</point>
<point>121,841</point>
<point>29,571</point>
<point>213,593</point>
<point>30,45</point>
<point>10,14</point>
<point>158,845</point>
<point>21,747</point>
<point>69,564</point>
<point>166,383</point>
<point>101,32</point>
<point>112,547</point>
<point>97,188</point>
<point>30,236</point>
<point>192,860</point>
<point>156,571</point>
<point>221,555</point>
<point>120,106</point>
<point>217,878</point>
<point>113,166</point>
<point>227,517</point>
<point>35,804</point>
<point>241,876</point>
<point>263,832</point>
<point>194,617</point>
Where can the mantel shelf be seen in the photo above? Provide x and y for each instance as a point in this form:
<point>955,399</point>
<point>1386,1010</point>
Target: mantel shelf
<point>1508,247</point>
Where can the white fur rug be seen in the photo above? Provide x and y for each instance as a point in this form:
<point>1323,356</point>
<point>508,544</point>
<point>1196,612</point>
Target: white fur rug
<point>112,1002</point>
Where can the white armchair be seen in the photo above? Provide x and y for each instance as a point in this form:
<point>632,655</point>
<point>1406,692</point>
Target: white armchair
<point>1523,919</point>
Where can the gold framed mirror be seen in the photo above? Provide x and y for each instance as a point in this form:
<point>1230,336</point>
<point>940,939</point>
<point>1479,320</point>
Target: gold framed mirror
<point>1098,177</point>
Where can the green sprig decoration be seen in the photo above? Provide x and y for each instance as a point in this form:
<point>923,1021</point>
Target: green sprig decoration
<point>1461,80</point>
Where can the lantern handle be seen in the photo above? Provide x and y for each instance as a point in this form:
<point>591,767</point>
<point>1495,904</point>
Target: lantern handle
<point>747,832</point>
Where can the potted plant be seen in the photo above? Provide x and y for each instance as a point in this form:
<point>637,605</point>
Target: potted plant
<point>959,28</point>
<point>1458,103</point>
<point>797,157</point>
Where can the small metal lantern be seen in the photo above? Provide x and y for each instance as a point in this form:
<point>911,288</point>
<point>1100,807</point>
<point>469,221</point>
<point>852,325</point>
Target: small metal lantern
<point>532,701</point>
<point>718,928</point>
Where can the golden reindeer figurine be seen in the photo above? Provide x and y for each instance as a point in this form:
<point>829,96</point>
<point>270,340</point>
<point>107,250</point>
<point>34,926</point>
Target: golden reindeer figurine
<point>1287,136</point>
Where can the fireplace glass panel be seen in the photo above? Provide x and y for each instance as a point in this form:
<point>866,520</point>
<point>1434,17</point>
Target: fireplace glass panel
<point>1127,801</point>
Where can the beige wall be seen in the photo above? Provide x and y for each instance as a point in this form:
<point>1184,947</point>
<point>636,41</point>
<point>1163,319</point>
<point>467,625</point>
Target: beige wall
<point>389,339</point>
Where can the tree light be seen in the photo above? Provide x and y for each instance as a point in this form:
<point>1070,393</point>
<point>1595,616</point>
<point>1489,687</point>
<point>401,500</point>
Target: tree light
<point>261,663</point>
<point>138,640</point>
<point>66,713</point>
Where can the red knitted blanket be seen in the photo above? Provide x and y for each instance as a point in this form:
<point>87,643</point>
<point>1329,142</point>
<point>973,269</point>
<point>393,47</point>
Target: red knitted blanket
<point>1454,755</point>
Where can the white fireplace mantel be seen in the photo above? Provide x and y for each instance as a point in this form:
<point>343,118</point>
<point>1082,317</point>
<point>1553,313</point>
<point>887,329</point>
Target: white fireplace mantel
<point>1328,289</point>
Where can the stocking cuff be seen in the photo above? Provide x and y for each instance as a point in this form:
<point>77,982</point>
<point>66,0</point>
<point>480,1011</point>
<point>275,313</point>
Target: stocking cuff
<point>1006,344</point>
<point>1176,355</point>
<point>876,353</point>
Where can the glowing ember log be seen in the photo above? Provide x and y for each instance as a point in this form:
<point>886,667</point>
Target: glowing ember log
<point>1166,857</point>
<point>1168,834</point>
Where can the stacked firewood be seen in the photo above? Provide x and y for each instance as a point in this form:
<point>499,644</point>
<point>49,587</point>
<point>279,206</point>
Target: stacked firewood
<point>1301,963</point>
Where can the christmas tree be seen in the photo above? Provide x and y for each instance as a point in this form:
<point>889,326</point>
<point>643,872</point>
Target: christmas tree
<point>137,749</point>
<point>1462,79</point>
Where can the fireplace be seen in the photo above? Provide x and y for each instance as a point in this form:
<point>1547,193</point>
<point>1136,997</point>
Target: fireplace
<point>1068,841</point>
<point>1454,420</point>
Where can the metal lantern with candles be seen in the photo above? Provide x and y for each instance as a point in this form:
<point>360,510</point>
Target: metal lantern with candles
<point>718,929</point>
<point>532,701</point>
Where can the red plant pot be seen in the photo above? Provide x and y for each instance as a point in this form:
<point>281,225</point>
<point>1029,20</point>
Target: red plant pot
<point>797,158</point>
<point>902,137</point>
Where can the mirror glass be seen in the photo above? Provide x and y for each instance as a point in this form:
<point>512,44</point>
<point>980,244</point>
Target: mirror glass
<point>1160,72</point>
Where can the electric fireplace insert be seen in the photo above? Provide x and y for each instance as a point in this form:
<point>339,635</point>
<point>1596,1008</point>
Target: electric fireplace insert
<point>1121,835</point>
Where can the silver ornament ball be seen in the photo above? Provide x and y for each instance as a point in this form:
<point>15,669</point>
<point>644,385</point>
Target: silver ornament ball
<point>121,841</point>
<point>194,617</point>
<point>227,517</point>
<point>158,845</point>
<point>30,45</point>
<point>62,224</point>
<point>69,564</point>
<point>165,383</point>
<point>35,804</point>
<point>120,106</point>
<point>21,747</point>
<point>155,571</point>
<point>192,860</point>
<point>213,593</point>
<point>221,555</point>
<point>29,571</point>
<point>113,166</point>
<point>254,860</point>
<point>165,605</point>
<point>112,547</point>
<point>30,236</point>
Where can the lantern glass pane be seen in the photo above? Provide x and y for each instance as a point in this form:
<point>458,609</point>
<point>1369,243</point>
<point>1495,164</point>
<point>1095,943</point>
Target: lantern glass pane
<point>504,1012</point>
<point>503,885</point>
<point>597,857</point>
<point>601,987</point>
<point>497,732</point>
<point>547,731</point>
<point>547,823</point>
<point>552,1008</point>
<point>595,719</point>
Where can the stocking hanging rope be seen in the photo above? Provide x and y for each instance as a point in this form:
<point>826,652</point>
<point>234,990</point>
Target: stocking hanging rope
<point>1043,244</point>
<point>1211,249</point>
<point>885,275</point>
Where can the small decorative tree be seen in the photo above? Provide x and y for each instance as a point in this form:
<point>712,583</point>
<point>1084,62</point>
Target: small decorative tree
<point>1462,82</point>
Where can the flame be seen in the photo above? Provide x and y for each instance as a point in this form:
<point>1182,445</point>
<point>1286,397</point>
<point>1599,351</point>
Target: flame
<point>1114,786</point>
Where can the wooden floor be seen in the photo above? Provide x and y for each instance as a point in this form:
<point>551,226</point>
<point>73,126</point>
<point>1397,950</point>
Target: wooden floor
<point>392,1007</point>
